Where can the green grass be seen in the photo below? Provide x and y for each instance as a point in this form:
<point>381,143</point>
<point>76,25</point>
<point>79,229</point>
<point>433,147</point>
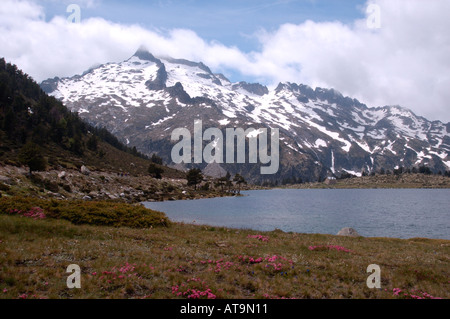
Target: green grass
<point>183,260</point>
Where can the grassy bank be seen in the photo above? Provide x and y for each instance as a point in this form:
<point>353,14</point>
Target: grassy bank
<point>175,260</point>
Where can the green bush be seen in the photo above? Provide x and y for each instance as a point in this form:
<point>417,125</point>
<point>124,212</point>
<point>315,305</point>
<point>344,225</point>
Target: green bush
<point>90,213</point>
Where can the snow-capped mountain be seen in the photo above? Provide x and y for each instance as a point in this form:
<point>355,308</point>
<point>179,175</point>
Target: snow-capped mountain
<point>143,99</point>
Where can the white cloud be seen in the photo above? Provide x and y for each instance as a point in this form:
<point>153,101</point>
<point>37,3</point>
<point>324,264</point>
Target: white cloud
<point>58,48</point>
<point>404,62</point>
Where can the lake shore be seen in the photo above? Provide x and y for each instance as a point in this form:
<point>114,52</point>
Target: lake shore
<point>72,184</point>
<point>405,181</point>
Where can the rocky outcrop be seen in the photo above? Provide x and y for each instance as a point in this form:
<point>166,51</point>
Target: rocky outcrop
<point>349,232</point>
<point>214,170</point>
<point>254,88</point>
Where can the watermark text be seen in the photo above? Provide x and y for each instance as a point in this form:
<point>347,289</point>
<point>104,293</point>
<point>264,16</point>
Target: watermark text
<point>234,147</point>
<point>75,13</point>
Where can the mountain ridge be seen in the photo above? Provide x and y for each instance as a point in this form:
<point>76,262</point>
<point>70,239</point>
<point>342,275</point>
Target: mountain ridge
<point>322,133</point>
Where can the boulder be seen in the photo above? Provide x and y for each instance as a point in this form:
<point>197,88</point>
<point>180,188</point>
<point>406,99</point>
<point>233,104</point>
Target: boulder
<point>214,170</point>
<point>62,175</point>
<point>347,231</point>
<point>84,170</point>
<point>93,194</point>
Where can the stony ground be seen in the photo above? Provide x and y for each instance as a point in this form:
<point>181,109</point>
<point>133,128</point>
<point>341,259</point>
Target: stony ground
<point>95,185</point>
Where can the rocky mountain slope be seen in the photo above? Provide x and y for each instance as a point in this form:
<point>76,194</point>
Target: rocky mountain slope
<point>73,184</point>
<point>322,133</point>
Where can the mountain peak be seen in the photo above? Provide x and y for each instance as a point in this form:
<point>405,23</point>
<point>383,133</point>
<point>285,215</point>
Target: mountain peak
<point>145,55</point>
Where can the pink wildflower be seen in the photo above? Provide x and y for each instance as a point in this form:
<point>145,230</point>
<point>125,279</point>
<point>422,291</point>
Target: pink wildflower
<point>34,212</point>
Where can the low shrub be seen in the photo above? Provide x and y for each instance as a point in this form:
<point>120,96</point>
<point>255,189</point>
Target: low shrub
<point>4,187</point>
<point>51,186</point>
<point>100,213</point>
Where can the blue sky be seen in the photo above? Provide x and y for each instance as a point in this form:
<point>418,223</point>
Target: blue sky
<point>231,22</point>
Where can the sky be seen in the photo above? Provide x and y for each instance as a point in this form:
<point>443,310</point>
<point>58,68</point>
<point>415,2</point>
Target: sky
<point>382,52</point>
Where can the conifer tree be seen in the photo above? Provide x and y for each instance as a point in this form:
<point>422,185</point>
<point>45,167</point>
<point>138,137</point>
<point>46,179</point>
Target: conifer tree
<point>31,156</point>
<point>194,177</point>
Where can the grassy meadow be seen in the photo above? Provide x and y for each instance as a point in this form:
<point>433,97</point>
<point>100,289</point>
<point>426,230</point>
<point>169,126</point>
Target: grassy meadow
<point>172,260</point>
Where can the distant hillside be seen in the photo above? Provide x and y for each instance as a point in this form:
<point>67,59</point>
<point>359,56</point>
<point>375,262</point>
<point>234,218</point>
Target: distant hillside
<point>28,114</point>
<point>404,180</point>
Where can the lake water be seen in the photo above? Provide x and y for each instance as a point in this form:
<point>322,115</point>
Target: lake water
<point>399,213</point>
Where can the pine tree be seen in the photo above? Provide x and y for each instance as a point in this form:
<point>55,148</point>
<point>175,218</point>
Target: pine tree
<point>194,177</point>
<point>92,143</point>
<point>222,182</point>
<point>31,156</point>
<point>228,182</point>
<point>155,171</point>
